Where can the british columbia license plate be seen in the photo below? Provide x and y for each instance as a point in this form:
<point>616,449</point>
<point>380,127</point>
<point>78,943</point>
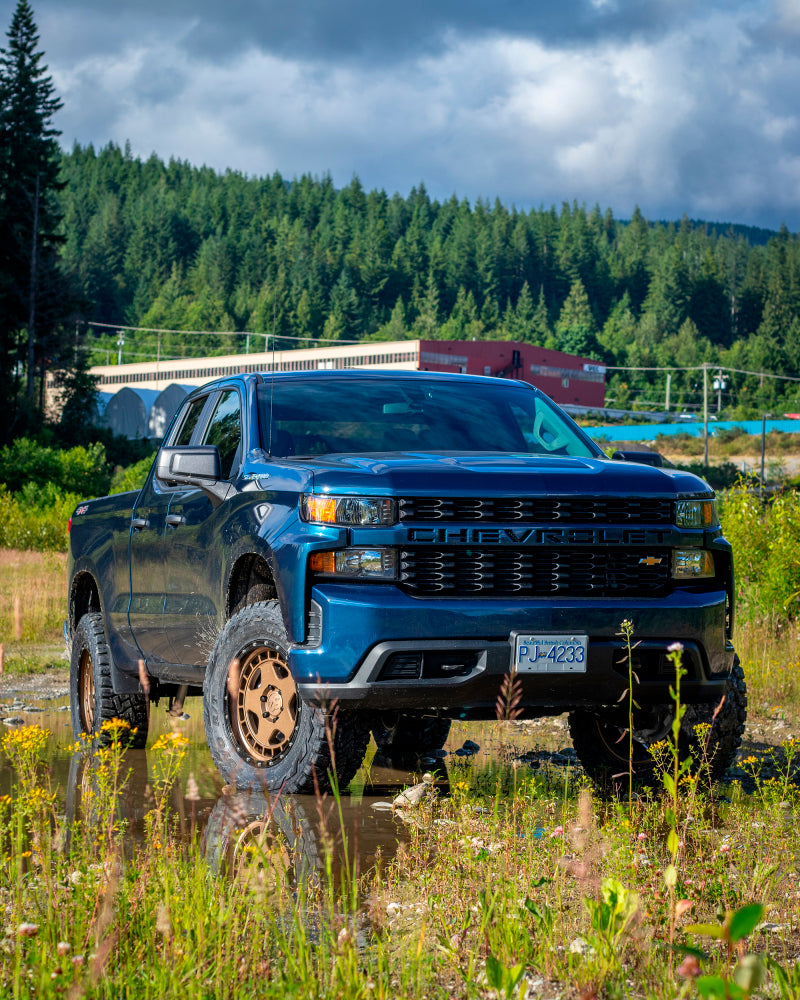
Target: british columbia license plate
<point>550,654</point>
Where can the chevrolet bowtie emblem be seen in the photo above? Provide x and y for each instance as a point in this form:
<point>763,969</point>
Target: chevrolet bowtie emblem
<point>650,561</point>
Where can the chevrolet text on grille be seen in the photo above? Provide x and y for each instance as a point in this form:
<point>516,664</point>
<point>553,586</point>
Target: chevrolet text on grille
<point>538,536</point>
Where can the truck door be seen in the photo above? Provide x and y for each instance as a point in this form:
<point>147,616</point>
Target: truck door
<point>193,544</point>
<point>149,522</point>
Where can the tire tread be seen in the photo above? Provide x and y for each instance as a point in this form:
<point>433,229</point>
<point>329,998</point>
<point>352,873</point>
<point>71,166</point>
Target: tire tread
<point>316,758</point>
<point>132,708</point>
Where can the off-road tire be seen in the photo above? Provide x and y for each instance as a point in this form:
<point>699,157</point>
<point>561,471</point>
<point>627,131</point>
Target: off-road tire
<point>308,758</point>
<point>602,747</point>
<point>725,737</point>
<point>92,700</point>
<point>406,735</point>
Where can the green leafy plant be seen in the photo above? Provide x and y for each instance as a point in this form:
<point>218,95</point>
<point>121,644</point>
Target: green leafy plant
<point>736,982</point>
<point>504,980</point>
<point>611,918</point>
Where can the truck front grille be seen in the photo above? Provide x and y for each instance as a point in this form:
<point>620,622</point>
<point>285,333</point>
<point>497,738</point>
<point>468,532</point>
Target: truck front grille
<point>543,572</point>
<point>576,510</point>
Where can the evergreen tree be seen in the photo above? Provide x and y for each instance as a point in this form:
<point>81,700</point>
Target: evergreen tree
<point>29,180</point>
<point>576,332</point>
<point>426,324</point>
<point>619,330</point>
<point>518,322</point>
<point>540,332</point>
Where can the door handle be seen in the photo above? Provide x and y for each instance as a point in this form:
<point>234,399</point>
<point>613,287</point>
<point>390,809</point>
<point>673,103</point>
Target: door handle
<point>139,523</point>
<point>173,520</point>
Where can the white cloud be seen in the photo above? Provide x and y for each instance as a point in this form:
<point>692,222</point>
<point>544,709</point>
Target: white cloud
<point>699,119</point>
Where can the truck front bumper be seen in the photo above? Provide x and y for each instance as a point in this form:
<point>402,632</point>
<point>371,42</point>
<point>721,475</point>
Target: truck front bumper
<point>376,647</point>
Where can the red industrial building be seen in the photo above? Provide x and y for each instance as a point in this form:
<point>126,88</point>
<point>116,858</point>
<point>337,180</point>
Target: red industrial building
<point>565,378</point>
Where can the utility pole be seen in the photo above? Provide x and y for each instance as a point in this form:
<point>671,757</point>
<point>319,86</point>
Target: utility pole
<point>120,345</point>
<point>763,448</point>
<point>705,415</point>
<point>720,383</point>
<point>32,290</point>
<point>669,386</point>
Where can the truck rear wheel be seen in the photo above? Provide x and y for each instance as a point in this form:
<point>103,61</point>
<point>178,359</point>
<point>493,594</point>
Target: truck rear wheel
<point>91,693</point>
<point>259,730</point>
<point>603,747</point>
<point>402,735</point>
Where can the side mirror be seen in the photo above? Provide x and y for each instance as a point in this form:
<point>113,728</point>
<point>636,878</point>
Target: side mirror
<point>198,466</point>
<point>186,465</point>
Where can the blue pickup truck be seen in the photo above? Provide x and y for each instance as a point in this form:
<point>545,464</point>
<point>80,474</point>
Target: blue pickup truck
<point>332,554</point>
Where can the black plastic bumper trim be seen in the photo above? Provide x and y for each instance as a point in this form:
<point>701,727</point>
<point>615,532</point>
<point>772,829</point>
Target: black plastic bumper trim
<point>474,695</point>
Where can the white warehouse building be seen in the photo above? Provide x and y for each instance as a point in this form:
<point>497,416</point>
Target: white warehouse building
<point>139,400</point>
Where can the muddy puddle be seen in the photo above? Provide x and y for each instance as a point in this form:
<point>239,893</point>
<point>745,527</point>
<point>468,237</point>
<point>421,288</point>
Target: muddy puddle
<point>229,823</point>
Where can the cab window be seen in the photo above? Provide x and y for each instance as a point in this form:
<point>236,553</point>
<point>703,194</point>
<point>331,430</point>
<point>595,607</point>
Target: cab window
<point>188,422</point>
<point>225,431</point>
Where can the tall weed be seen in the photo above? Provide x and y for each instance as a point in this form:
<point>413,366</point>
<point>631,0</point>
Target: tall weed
<point>36,518</point>
<point>765,535</point>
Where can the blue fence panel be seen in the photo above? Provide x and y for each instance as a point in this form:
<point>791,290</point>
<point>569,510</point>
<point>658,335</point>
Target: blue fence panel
<point>649,432</point>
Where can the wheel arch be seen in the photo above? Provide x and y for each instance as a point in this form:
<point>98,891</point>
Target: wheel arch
<point>84,597</point>
<point>250,580</point>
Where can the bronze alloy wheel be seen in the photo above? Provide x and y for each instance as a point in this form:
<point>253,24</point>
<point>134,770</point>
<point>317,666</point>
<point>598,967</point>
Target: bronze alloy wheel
<point>264,706</point>
<point>86,691</point>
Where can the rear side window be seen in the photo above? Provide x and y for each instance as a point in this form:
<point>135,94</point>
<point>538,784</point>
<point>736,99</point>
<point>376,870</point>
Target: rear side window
<point>225,431</point>
<point>189,422</point>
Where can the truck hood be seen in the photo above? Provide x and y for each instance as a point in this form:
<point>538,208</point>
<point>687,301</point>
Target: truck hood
<point>492,474</point>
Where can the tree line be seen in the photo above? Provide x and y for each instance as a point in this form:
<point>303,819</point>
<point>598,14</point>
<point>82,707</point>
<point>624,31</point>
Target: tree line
<point>173,246</point>
<point>91,237</point>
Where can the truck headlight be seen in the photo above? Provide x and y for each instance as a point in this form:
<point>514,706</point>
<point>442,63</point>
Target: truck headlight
<point>692,564</point>
<point>349,511</point>
<point>356,564</point>
<point>696,513</point>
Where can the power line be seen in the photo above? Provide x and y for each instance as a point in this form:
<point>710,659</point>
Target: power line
<point>699,368</point>
<point>219,333</point>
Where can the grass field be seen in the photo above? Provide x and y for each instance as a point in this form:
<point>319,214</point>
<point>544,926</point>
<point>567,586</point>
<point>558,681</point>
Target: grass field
<point>32,608</point>
<point>511,882</point>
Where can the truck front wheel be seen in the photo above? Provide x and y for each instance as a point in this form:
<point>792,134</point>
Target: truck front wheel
<point>711,735</point>
<point>91,692</point>
<point>259,730</point>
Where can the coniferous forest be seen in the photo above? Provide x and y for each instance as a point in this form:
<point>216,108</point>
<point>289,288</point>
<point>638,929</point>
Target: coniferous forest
<point>94,240</point>
<point>176,247</point>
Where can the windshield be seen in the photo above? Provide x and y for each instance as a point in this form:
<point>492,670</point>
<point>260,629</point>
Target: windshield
<point>323,416</point>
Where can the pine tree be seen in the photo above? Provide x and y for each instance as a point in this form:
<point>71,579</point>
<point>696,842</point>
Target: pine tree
<point>539,332</point>
<point>29,168</point>
<point>576,331</point>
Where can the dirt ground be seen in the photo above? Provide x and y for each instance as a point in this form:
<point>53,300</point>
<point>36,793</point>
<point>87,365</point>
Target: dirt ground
<point>52,683</point>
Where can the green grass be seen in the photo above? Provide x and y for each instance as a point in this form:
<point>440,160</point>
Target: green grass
<point>514,876</point>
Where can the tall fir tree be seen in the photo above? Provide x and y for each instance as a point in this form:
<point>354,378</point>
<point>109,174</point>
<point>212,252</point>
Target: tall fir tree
<point>29,180</point>
<point>576,331</point>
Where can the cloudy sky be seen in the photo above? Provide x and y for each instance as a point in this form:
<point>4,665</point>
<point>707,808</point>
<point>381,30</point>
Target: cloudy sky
<point>675,105</point>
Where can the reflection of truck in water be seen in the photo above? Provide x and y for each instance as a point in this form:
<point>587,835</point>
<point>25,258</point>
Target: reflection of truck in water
<point>398,543</point>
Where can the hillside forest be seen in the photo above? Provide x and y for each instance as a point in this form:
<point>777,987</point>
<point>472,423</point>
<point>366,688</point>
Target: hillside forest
<point>177,247</point>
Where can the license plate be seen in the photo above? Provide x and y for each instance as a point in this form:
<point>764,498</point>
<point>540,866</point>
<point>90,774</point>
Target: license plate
<point>550,654</point>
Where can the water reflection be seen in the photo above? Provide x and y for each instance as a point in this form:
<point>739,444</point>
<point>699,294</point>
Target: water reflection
<point>242,832</point>
<point>295,833</point>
